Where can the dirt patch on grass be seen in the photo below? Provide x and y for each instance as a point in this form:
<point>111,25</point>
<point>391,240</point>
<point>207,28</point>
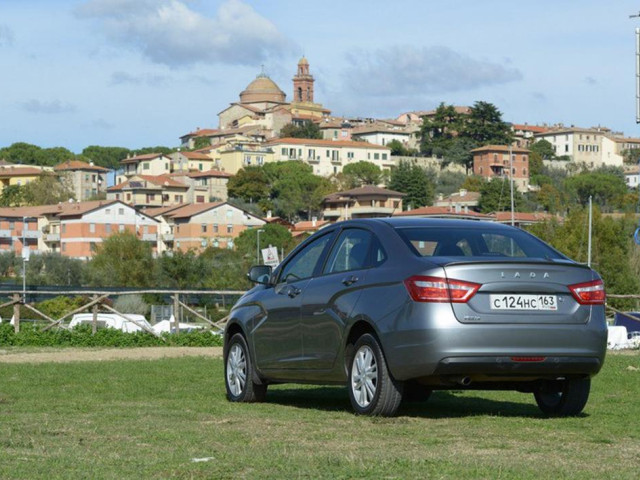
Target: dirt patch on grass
<point>86,355</point>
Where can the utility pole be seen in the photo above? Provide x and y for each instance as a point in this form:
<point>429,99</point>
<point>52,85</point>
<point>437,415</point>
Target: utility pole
<point>637,69</point>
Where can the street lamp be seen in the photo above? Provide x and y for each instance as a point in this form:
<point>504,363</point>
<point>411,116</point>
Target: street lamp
<point>25,257</point>
<point>258,245</point>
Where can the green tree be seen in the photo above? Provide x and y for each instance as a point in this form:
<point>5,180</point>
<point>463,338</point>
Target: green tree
<point>459,152</point>
<point>473,183</point>
<point>544,149</point>
<point>307,129</point>
<point>28,154</point>
<point>495,196</point>
<point>108,157</point>
<point>226,269</point>
<point>121,260</point>
<point>158,149</point>
<point>398,149</point>
<point>52,268</point>
<point>201,142</point>
<point>47,189</point>
<point>11,196</point>
<point>272,234</point>
<point>180,270</point>
<point>363,173</point>
<point>607,189</point>
<point>536,167</point>
<point>484,126</point>
<point>250,184</point>
<point>449,182</point>
<point>437,132</point>
<point>415,182</point>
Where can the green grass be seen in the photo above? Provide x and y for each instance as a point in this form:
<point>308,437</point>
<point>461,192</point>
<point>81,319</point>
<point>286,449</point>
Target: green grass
<point>150,419</point>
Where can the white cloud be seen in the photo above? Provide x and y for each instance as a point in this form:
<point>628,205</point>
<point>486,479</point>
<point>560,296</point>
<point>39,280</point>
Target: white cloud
<point>169,32</point>
<point>53,107</point>
<point>6,36</point>
<point>407,70</point>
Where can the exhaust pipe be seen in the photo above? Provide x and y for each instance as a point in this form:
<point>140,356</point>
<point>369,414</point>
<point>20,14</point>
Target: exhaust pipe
<point>464,381</point>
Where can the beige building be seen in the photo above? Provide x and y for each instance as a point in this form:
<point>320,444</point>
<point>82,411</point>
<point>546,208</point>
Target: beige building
<point>590,147</point>
<point>85,180</point>
<point>329,157</point>
<point>190,161</point>
<point>149,191</point>
<point>148,164</point>
<point>208,186</point>
<point>232,157</point>
<point>364,202</point>
<point>197,226</point>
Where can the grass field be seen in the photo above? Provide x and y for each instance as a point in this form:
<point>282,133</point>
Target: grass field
<point>169,419</point>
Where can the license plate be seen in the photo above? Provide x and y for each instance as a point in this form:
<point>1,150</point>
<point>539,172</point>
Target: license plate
<point>524,302</point>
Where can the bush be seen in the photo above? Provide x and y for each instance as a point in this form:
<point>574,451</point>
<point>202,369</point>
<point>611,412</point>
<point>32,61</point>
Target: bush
<point>81,336</point>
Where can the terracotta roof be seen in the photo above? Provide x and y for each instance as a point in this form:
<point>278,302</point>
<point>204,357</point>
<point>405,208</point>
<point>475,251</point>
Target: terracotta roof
<point>196,155</point>
<point>500,148</point>
<point>78,165</point>
<point>441,211</point>
<point>10,171</point>
<point>564,130</point>
<point>60,209</point>
<point>325,143</point>
<point>522,216</point>
<point>155,180</point>
<point>530,128</point>
<point>191,209</point>
<point>201,132</point>
<point>156,211</point>
<point>209,173</point>
<point>140,158</point>
<point>625,140</point>
<point>308,225</point>
<point>363,191</point>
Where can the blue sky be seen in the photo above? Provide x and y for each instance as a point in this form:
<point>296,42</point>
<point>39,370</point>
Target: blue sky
<point>137,73</point>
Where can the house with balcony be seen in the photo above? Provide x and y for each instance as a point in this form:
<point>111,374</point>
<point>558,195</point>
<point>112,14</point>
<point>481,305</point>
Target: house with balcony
<point>328,157</point>
<point>492,161</point>
<point>72,229</point>
<point>85,180</point>
<point>183,162</point>
<point>233,156</point>
<point>148,164</point>
<point>198,226</point>
<point>363,202</point>
<point>208,186</point>
<point>149,191</point>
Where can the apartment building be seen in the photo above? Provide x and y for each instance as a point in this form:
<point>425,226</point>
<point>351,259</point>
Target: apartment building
<point>591,147</point>
<point>72,229</point>
<point>149,191</point>
<point>233,156</point>
<point>328,157</point>
<point>148,164</point>
<point>492,161</point>
<point>18,175</point>
<point>197,226</point>
<point>363,202</point>
<point>85,180</point>
<point>190,161</point>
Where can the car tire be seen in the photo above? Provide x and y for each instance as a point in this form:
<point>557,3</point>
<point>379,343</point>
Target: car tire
<point>239,373</point>
<point>415,392</point>
<point>372,389</point>
<point>566,402</point>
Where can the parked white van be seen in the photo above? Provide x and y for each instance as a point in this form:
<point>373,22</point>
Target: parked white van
<point>111,320</point>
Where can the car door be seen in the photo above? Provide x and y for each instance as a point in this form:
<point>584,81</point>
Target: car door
<point>329,298</point>
<point>277,337</point>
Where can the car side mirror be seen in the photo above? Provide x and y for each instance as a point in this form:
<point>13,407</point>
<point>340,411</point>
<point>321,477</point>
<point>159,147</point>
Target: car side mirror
<point>260,274</point>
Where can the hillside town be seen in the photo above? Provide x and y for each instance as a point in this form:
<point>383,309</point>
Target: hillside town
<point>187,199</point>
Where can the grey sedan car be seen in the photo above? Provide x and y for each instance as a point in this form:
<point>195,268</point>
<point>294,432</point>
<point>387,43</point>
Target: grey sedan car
<point>395,308</point>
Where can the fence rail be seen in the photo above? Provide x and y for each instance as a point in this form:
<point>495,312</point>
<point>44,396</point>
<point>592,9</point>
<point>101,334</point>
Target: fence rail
<point>100,299</point>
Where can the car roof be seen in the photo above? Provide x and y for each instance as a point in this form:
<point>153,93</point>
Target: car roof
<point>404,222</point>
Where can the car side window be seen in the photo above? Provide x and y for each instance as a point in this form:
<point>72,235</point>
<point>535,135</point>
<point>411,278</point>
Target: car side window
<point>304,263</point>
<point>351,251</point>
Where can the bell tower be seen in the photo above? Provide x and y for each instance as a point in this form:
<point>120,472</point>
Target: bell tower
<point>303,83</point>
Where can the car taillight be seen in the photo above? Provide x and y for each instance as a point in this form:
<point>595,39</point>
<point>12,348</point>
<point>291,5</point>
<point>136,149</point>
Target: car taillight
<point>438,289</point>
<point>589,293</point>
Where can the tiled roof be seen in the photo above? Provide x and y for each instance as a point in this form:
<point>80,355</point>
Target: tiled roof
<point>309,225</point>
<point>500,148</point>
<point>530,128</point>
<point>324,143</point>
<point>441,211</point>
<point>196,156</point>
<point>11,171</point>
<point>61,209</point>
<point>191,209</point>
<point>209,173</point>
<point>154,212</point>
<point>202,132</point>
<point>140,158</point>
<point>78,165</point>
<point>155,180</point>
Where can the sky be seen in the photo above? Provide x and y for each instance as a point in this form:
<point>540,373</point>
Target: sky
<point>137,73</point>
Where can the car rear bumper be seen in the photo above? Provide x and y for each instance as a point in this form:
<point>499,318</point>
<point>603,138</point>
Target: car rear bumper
<point>515,366</point>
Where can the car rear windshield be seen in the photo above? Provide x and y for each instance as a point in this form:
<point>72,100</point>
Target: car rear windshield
<point>476,242</point>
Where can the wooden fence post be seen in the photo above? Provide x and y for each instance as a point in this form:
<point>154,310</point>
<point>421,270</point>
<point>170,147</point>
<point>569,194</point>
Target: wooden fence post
<point>176,312</point>
<point>94,323</point>
<point>16,312</point>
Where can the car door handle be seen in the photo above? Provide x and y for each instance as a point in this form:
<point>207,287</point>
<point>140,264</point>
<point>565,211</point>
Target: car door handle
<point>294,292</point>
<point>349,280</point>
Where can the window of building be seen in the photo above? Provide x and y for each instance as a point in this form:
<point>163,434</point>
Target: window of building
<point>335,169</point>
<point>166,167</point>
<point>566,148</point>
<point>368,155</point>
<point>229,213</point>
<point>384,156</point>
<point>260,160</point>
<point>12,225</point>
<point>203,228</point>
<point>145,166</point>
<point>107,211</point>
<point>200,199</point>
<point>349,154</point>
<point>145,229</point>
<point>283,151</point>
<point>178,198</point>
<point>121,228</point>
<point>117,196</point>
<point>215,228</point>
<point>312,154</point>
<point>229,228</point>
<point>107,228</point>
<point>128,196</point>
<point>328,153</point>
<point>121,211</point>
<point>200,166</point>
<point>92,228</point>
<point>63,228</point>
<point>64,247</point>
<point>247,159</point>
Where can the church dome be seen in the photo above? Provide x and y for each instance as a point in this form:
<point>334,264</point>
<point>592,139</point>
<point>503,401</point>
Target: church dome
<point>303,61</point>
<point>262,89</point>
